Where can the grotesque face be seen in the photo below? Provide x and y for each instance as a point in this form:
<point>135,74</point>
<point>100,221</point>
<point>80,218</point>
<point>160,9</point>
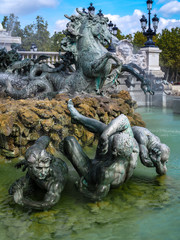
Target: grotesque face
<point>39,164</point>
<point>125,48</point>
<point>122,145</point>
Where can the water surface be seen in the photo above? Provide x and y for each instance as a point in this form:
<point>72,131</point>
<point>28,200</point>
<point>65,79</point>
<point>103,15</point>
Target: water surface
<point>146,207</point>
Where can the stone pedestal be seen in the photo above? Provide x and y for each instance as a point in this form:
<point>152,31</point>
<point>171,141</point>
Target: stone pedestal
<point>152,58</point>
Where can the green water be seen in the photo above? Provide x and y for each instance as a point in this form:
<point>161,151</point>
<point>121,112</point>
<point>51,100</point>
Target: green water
<point>147,207</point>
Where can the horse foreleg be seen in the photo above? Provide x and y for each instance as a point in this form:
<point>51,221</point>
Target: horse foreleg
<point>98,68</point>
<point>100,63</point>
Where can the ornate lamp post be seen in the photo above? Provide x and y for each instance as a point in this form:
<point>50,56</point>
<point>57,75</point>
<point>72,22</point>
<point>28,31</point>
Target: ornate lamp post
<point>149,33</point>
<point>33,47</point>
<point>110,25</point>
<point>100,14</point>
<point>91,9</point>
<point>113,29</point>
<point>84,10</point>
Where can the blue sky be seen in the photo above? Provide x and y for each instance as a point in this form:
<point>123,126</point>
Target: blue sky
<point>124,13</point>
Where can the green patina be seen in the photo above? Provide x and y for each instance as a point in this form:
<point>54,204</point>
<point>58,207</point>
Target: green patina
<point>147,204</point>
<point>98,82</point>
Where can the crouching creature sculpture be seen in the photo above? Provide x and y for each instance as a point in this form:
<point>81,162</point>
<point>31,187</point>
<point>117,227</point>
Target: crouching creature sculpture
<point>116,155</point>
<point>152,153</point>
<point>43,172</point>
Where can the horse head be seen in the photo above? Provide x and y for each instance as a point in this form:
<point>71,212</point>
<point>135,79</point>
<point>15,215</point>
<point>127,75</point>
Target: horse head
<point>100,30</point>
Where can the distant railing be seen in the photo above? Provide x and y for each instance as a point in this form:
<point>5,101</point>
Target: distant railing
<point>53,56</point>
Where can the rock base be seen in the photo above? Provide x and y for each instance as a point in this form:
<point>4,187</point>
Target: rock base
<point>23,121</point>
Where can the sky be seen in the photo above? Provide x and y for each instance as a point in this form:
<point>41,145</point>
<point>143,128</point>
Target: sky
<point>124,13</point>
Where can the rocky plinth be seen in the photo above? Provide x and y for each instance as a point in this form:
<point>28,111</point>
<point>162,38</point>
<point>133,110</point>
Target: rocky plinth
<point>24,121</point>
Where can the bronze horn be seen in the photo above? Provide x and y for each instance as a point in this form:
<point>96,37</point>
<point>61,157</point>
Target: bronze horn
<point>67,16</point>
<point>77,10</point>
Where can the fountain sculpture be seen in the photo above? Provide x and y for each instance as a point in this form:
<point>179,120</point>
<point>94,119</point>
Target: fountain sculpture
<point>116,158</point>
<point>86,35</point>
<point>86,66</point>
<point>116,155</point>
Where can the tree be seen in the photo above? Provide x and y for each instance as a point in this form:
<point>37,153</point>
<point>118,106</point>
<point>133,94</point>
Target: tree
<point>11,24</point>
<point>138,40</point>
<point>129,37</point>
<point>42,34</point>
<point>28,36</point>
<point>119,35</point>
<point>37,33</point>
<point>56,40</point>
<point>169,42</point>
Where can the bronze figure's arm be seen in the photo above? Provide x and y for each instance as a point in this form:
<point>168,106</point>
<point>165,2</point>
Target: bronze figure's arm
<point>51,198</point>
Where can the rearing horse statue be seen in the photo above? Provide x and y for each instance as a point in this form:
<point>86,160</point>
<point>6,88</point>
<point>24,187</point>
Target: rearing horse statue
<point>86,36</point>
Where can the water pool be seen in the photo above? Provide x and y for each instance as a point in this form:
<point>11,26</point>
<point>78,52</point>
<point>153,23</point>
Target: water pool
<point>146,207</point>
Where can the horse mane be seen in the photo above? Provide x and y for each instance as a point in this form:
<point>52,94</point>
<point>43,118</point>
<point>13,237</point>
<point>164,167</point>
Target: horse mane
<point>72,31</point>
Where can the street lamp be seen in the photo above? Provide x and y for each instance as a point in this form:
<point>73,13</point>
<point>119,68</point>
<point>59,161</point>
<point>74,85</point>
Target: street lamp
<point>149,33</point>
<point>100,14</point>
<point>84,10</point>
<point>91,9</point>
<point>113,30</point>
<point>149,4</point>
<point>110,25</point>
<point>33,47</point>
<point>155,21</point>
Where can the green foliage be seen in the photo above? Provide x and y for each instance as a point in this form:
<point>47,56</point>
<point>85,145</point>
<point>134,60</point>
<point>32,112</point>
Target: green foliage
<point>138,40</point>
<point>42,34</point>
<point>169,43</point>
<point>56,40</point>
<point>120,36</point>
<point>36,33</point>
<point>28,37</point>
<point>11,24</point>
<point>4,22</point>
<point>129,37</point>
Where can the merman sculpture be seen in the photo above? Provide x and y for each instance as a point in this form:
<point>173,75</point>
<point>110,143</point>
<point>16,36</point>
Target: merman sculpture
<point>43,172</point>
<point>116,158</point>
<point>116,155</point>
<point>152,152</point>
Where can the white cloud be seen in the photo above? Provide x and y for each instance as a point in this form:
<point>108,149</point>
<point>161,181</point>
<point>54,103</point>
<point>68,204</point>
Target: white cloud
<point>172,7</point>
<point>168,23</point>
<point>23,7</point>
<point>129,23</point>
<point>61,25</point>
